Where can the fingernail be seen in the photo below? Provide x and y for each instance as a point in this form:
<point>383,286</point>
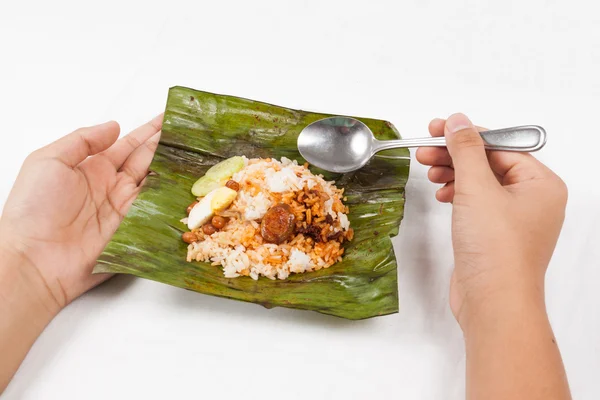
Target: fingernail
<point>458,122</point>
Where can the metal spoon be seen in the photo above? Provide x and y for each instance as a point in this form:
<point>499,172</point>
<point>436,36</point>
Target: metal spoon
<point>344,144</point>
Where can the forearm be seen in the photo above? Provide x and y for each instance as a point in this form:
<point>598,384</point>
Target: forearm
<point>512,352</point>
<point>24,311</point>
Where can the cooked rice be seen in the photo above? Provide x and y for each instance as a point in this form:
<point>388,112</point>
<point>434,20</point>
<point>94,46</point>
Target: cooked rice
<point>321,222</point>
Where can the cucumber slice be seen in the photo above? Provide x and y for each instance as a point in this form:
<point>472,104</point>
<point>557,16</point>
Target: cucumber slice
<point>226,168</point>
<point>205,185</point>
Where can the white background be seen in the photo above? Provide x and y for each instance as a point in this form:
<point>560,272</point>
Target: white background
<point>69,64</point>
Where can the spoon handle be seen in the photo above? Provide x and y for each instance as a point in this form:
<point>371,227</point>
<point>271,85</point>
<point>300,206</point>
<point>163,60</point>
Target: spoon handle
<point>526,138</point>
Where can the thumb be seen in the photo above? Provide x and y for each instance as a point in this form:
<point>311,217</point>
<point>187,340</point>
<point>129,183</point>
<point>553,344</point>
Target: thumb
<point>466,147</point>
<point>82,143</point>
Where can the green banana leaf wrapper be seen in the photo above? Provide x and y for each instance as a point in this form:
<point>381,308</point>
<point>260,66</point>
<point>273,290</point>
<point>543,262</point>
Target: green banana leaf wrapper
<point>199,130</point>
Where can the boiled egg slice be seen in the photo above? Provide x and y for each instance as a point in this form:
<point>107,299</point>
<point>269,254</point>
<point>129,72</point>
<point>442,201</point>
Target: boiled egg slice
<point>215,201</point>
<point>222,198</point>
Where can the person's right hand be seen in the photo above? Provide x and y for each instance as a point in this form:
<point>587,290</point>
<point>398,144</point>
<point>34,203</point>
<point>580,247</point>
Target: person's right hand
<point>507,213</point>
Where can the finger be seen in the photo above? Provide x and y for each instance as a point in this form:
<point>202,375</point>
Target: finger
<point>82,143</point>
<point>466,147</point>
<point>136,166</point>
<point>438,174</point>
<point>114,208</point>
<point>437,155</point>
<point>436,127</point>
<point>124,206</point>
<point>127,144</point>
<point>434,156</point>
<point>506,163</point>
<point>446,193</point>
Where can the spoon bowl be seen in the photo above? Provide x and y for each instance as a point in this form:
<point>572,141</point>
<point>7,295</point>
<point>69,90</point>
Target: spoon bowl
<point>336,144</point>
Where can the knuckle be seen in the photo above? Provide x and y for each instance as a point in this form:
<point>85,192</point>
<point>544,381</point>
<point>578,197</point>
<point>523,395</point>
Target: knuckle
<point>85,144</point>
<point>34,156</point>
<point>131,172</point>
<point>132,142</point>
<point>555,190</point>
<point>562,189</point>
<point>80,131</point>
<point>431,174</point>
<point>156,125</point>
<point>152,145</point>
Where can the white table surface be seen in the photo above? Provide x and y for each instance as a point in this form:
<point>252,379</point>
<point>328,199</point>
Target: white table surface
<point>66,64</point>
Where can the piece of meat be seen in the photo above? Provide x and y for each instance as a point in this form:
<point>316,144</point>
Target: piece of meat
<point>334,236</point>
<point>278,224</point>
<point>311,231</point>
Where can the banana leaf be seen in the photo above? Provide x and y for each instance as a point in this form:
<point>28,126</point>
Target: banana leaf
<point>199,130</point>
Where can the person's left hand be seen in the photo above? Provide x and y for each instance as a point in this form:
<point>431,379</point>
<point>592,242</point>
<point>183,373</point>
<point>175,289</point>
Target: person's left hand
<point>69,199</point>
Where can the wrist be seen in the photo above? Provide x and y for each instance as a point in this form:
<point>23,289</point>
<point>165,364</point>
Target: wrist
<point>24,307</point>
<point>501,307</point>
<point>23,288</point>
